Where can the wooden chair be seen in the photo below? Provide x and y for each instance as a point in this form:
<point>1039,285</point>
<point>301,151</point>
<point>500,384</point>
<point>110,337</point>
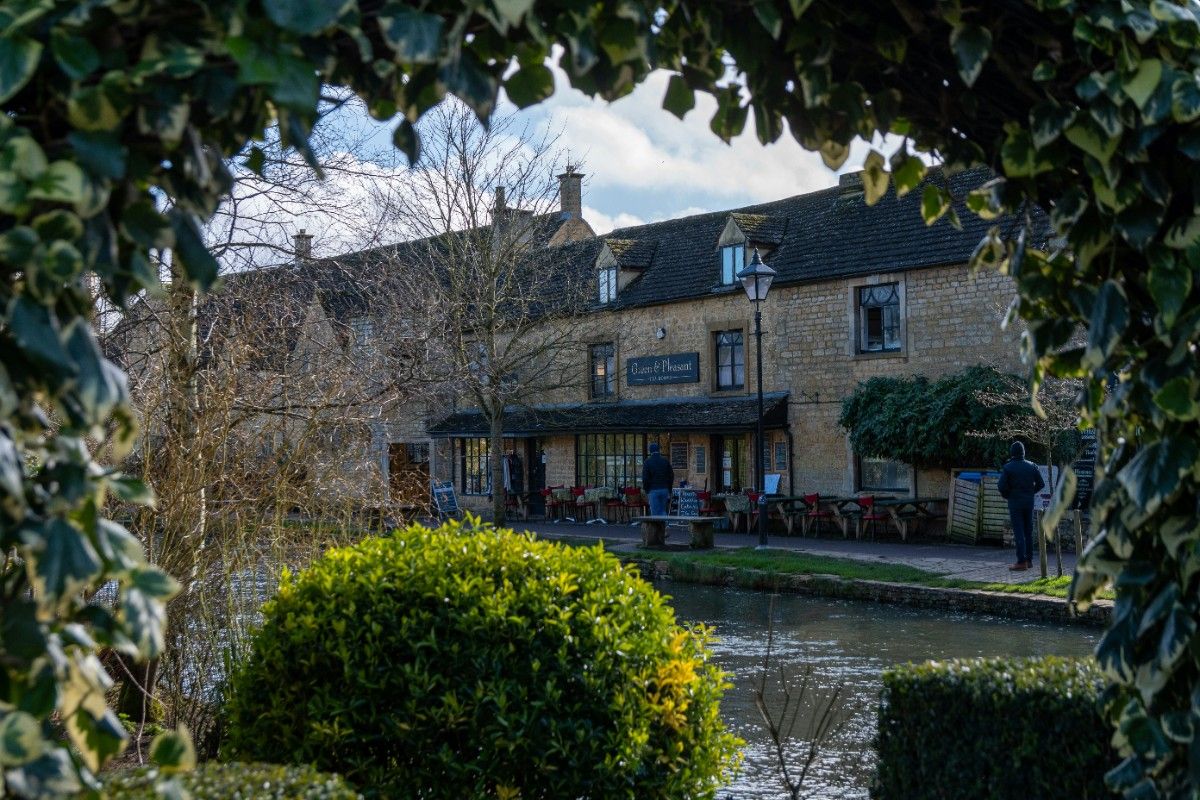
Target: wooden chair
<point>635,501</point>
<point>554,506</point>
<point>614,505</point>
<point>752,517</point>
<point>583,506</point>
<point>869,514</point>
<point>707,509</point>
<point>814,513</point>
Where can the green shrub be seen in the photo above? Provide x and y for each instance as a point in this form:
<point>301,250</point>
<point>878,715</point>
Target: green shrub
<point>994,728</point>
<point>472,662</point>
<point>213,781</point>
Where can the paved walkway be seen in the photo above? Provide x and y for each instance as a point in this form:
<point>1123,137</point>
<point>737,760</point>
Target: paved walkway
<point>983,563</point>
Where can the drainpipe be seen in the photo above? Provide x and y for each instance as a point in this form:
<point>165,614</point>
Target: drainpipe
<point>791,464</point>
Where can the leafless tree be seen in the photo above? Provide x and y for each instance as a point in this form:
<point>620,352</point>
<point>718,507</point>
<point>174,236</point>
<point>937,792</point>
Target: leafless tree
<point>494,286</point>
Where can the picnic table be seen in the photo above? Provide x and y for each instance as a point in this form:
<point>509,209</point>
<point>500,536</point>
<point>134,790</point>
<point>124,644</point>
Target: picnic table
<point>906,511</point>
<point>736,505</point>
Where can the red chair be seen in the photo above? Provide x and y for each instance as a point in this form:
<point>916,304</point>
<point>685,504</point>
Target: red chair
<point>554,506</point>
<point>707,509</point>
<point>814,513</point>
<point>869,515</point>
<point>582,505</point>
<point>615,505</point>
<point>752,517</point>
<point>635,501</point>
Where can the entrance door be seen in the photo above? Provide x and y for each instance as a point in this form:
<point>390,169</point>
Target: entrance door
<point>728,463</point>
<point>536,470</point>
<point>408,474</point>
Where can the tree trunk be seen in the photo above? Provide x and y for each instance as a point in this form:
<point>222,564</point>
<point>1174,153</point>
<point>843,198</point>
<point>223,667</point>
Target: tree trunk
<point>496,451</point>
<point>1041,540</point>
<point>1078,534</point>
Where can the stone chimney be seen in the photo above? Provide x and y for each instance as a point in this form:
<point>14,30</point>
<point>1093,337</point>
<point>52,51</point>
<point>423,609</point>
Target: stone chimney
<point>302,245</point>
<point>570,193</point>
<point>850,184</point>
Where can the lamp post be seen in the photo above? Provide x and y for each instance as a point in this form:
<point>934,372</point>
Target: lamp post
<point>756,280</point>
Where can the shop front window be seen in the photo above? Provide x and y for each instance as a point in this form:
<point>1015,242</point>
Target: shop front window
<point>609,459</point>
<point>476,472</point>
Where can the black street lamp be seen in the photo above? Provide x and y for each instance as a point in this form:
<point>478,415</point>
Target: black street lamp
<point>756,280</point>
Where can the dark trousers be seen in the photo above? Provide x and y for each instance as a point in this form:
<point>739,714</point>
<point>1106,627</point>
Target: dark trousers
<point>1022,525</point>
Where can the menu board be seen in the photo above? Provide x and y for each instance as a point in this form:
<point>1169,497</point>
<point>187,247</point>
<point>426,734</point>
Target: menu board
<point>689,503</point>
<point>679,455</point>
<point>1085,470</point>
<point>445,499</point>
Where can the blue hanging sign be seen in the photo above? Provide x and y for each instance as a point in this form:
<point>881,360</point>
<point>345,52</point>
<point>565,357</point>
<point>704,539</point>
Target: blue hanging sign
<point>655,370</point>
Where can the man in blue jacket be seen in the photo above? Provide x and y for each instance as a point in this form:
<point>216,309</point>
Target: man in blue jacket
<point>1020,482</point>
<point>657,481</point>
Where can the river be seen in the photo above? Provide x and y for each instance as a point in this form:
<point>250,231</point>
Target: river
<point>843,643</point>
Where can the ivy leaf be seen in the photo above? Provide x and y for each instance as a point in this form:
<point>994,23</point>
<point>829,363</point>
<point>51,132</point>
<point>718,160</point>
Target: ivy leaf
<point>530,84</point>
<point>146,618</point>
<point>769,17</point>
<point>74,54</point>
<point>1141,85</point>
<point>730,117</point>
<point>1047,122</point>
<point>415,37</point>
<point>1019,156</point>
<point>198,263</point>
<point>907,172</point>
<point>1155,472</point>
<point>1185,98</point>
<point>874,178</point>
<point>18,59</point>
<point>20,739</point>
<point>62,182</point>
<point>470,82</point>
<point>1177,398</point>
<point>680,98</point>
<point>511,11</point>
<point>1083,134</point>
<point>834,154</point>
<point>61,561</point>
<point>173,752</point>
<point>1139,223</point>
<point>971,45</point>
<point>37,335</point>
<point>1110,317</point>
<point>1170,286</point>
<point>1183,234</point>
<point>304,17</point>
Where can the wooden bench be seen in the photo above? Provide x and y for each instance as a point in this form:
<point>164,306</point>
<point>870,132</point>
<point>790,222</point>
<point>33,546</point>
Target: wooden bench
<point>654,529</point>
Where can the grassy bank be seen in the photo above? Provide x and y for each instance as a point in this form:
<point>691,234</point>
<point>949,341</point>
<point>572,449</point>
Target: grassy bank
<point>710,566</point>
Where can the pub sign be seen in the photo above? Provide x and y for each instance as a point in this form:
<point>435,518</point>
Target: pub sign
<point>655,370</point>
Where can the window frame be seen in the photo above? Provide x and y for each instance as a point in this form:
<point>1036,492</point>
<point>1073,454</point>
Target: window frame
<point>474,453</point>
<point>609,388</point>
<point>619,456</point>
<point>733,348</point>
<point>607,285</point>
<point>865,302</point>
<point>737,260</point>
<point>902,468</point>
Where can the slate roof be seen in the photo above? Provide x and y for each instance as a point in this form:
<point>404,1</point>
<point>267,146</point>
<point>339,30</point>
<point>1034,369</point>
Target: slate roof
<point>763,228</point>
<point>827,235</point>
<point>731,414</point>
<point>632,253</point>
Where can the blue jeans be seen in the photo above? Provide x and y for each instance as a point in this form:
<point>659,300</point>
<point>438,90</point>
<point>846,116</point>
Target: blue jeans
<point>1022,525</point>
<point>660,499</point>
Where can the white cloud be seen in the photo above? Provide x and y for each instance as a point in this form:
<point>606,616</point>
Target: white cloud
<point>603,223</point>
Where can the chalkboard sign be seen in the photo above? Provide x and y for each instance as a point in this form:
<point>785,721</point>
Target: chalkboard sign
<point>679,455</point>
<point>1085,470</point>
<point>689,503</point>
<point>444,499</point>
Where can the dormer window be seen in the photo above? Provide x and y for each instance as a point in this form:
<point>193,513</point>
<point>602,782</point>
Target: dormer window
<point>733,261</point>
<point>608,285</point>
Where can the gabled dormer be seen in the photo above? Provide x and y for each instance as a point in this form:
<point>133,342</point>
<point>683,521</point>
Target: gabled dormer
<point>619,263</point>
<point>741,233</point>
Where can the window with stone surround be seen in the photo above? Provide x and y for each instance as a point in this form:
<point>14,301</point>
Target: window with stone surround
<point>882,475</point>
<point>608,285</point>
<point>879,318</point>
<point>733,261</point>
<point>603,358</point>
<point>730,351</point>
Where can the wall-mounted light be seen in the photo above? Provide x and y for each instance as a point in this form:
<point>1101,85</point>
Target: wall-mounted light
<point>661,333</point>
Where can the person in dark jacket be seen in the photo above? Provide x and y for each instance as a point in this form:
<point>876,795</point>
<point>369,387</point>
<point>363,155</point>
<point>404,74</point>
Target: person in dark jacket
<point>657,480</point>
<point>1020,482</point>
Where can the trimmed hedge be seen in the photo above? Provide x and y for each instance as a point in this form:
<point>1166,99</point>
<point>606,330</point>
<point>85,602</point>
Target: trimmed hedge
<point>213,781</point>
<point>470,662</point>
<point>1004,729</point>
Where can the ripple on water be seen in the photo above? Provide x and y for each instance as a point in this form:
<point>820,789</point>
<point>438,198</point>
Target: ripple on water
<point>843,643</point>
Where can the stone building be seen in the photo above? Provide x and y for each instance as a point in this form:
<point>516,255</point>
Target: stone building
<point>668,354</point>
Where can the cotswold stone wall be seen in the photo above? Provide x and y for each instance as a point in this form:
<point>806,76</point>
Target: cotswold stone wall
<point>951,321</point>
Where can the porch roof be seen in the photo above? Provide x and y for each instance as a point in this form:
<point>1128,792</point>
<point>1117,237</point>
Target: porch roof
<point>701,414</point>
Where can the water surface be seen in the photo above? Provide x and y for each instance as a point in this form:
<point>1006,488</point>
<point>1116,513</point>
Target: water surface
<point>844,643</point>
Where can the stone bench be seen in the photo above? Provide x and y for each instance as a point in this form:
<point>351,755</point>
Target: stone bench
<point>654,529</point>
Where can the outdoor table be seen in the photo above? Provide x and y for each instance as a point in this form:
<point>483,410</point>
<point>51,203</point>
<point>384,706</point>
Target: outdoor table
<point>906,510</point>
<point>735,506</point>
<point>847,509</point>
<point>598,495</point>
<point>790,508</point>
<point>566,500</point>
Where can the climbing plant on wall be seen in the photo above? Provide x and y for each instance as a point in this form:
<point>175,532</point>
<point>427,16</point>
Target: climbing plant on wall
<point>118,115</point>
